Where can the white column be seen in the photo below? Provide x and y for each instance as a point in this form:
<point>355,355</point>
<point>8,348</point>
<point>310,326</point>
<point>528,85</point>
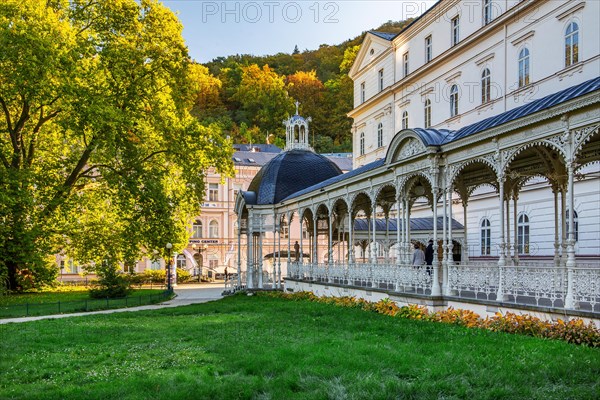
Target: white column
<point>239,253</point>
<point>373,247</point>
<point>571,264</point>
<point>274,251</point>
<point>250,249</point>
<point>330,252</point>
<point>315,240</point>
<point>407,248</point>
<point>289,246</point>
<point>465,258</point>
<point>516,228</point>
<point>279,256</point>
<point>563,218</point>
<point>386,248</point>
<point>435,285</point>
<point>508,244</point>
<point>398,230</point>
<point>556,233</point>
<point>260,254</point>
<point>300,221</point>
<point>450,246</point>
<point>501,260</point>
<point>450,243</point>
<point>444,231</point>
<point>350,237</point>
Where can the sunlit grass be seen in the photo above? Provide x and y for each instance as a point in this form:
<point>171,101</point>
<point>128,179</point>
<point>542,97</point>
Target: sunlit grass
<point>267,348</point>
<point>48,303</point>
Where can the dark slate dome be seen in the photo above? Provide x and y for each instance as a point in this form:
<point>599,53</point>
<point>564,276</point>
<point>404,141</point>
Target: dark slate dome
<point>288,173</point>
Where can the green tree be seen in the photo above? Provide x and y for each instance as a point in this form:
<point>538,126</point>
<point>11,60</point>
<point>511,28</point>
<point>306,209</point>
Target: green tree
<point>100,156</point>
<point>263,98</point>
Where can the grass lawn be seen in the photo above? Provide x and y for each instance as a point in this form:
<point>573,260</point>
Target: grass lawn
<point>267,348</point>
<point>78,299</point>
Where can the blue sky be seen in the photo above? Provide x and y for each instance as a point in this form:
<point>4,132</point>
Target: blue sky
<point>221,28</point>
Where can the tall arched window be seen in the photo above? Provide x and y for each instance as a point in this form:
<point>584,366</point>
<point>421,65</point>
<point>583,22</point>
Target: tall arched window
<point>486,86</point>
<point>572,44</point>
<point>486,237</point>
<point>213,229</point>
<point>405,120</point>
<point>575,224</point>
<point>523,234</point>
<point>181,263</point>
<point>155,265</point>
<point>427,113</point>
<point>197,229</point>
<point>524,67</point>
<point>453,101</point>
<point>380,135</point>
<point>362,144</point>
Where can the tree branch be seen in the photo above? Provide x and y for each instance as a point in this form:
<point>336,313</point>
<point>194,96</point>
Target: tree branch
<point>152,155</point>
<point>6,114</point>
<point>63,190</point>
<point>16,135</point>
<point>41,121</point>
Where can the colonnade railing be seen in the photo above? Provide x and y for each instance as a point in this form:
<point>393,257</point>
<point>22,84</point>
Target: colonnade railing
<point>544,285</point>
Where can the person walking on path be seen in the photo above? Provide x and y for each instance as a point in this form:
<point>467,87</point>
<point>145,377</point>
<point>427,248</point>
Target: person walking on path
<point>418,257</point>
<point>429,256</point>
<point>297,250</point>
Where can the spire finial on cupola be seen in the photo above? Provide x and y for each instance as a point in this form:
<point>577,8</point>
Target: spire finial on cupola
<point>296,131</point>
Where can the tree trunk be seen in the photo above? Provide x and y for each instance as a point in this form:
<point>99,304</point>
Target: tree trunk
<point>12,275</point>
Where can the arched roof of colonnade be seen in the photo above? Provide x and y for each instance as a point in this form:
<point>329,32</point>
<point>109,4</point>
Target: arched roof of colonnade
<point>409,143</point>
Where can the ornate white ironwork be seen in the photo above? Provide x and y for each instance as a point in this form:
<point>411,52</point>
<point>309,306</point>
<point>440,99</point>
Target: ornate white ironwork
<point>542,286</point>
<point>411,148</point>
<point>474,280</point>
<point>532,283</point>
<point>586,286</point>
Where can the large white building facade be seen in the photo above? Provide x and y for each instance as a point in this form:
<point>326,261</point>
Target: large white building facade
<point>476,127</point>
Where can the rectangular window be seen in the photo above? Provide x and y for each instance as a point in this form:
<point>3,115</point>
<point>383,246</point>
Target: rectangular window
<point>362,92</point>
<point>455,30</point>
<point>428,49</point>
<point>380,80</point>
<point>213,264</point>
<point>405,64</point>
<point>213,192</point>
<point>487,11</point>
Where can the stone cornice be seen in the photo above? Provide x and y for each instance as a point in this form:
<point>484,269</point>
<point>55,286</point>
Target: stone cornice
<point>523,38</point>
<point>571,10</point>
<point>485,59</point>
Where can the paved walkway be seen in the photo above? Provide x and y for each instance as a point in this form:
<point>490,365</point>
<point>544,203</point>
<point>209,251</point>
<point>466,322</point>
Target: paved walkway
<point>186,295</point>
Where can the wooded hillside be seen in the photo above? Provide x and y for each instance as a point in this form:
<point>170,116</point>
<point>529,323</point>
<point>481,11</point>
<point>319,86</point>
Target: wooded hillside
<point>250,96</point>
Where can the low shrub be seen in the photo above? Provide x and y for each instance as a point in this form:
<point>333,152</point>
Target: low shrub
<point>386,307</point>
<point>514,323</point>
<point>158,276</point>
<point>457,317</point>
<point>413,311</point>
<point>183,275</point>
<point>575,331</point>
<point>111,282</point>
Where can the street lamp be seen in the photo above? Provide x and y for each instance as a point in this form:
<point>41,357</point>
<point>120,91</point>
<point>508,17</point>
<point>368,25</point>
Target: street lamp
<point>169,247</point>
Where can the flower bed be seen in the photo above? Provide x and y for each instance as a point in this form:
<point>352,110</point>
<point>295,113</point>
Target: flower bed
<point>574,331</point>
